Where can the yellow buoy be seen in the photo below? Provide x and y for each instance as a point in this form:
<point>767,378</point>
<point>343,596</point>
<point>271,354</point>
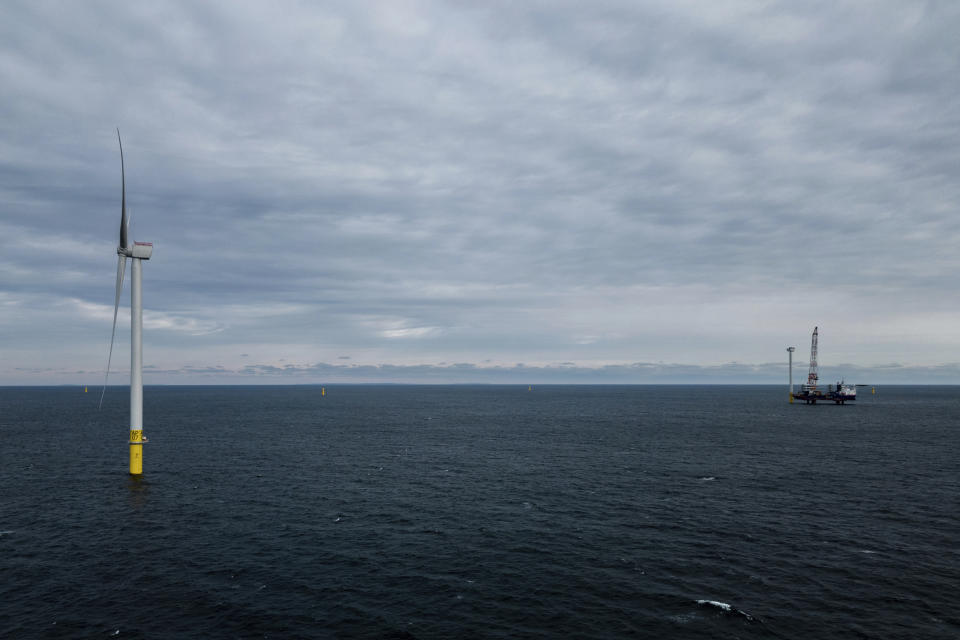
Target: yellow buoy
<point>323,391</point>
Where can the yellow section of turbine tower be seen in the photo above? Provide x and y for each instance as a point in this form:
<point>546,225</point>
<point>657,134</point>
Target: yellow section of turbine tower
<point>136,452</point>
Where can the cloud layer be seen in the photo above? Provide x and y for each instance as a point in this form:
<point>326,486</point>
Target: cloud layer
<point>410,184</point>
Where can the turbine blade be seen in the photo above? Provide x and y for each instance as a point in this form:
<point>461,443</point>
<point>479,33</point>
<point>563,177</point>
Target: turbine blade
<point>121,267</point>
<point>124,221</point>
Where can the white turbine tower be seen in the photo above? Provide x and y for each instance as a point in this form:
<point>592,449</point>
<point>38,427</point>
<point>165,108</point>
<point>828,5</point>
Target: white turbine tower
<point>136,251</point>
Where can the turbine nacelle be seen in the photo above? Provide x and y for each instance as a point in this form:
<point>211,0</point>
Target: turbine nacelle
<point>139,250</point>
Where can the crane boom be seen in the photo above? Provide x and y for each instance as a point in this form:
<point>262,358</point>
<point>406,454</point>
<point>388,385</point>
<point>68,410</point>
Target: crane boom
<point>812,376</point>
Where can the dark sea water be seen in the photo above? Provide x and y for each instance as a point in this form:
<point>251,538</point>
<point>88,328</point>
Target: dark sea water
<point>480,511</point>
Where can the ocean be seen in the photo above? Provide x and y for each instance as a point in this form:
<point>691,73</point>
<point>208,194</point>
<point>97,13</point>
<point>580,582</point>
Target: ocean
<point>379,511</point>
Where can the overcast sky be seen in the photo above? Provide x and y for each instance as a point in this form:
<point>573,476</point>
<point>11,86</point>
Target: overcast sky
<point>483,191</point>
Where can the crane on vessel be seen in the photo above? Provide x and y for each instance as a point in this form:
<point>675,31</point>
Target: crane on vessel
<point>812,376</point>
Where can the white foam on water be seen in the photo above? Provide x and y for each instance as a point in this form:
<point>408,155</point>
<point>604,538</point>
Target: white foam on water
<point>707,478</point>
<point>715,603</point>
<point>726,607</point>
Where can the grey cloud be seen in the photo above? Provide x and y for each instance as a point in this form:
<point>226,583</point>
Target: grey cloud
<point>545,182</point>
<point>634,373</point>
<point>470,373</point>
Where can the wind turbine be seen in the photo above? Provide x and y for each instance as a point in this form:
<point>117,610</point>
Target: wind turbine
<point>136,251</point>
